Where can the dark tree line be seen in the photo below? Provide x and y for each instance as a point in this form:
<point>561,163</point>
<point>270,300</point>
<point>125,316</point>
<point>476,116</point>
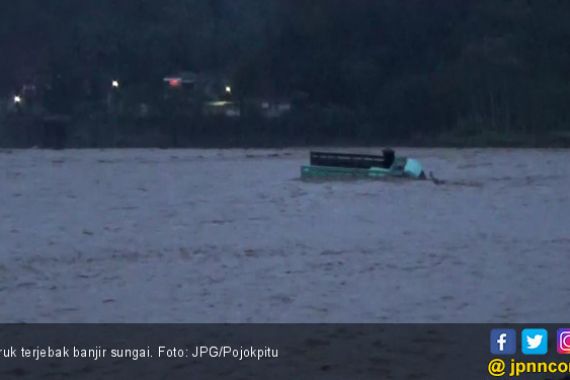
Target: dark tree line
<point>367,71</point>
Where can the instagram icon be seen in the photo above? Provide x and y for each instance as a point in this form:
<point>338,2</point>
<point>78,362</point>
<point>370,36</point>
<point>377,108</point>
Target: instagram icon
<point>563,341</point>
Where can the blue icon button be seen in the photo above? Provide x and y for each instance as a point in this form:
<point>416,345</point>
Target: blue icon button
<point>503,342</point>
<point>534,341</point>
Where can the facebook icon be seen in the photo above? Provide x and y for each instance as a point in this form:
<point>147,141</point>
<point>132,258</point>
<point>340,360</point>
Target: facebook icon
<point>503,342</point>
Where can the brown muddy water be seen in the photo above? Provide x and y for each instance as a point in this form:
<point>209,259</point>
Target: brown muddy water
<point>235,236</point>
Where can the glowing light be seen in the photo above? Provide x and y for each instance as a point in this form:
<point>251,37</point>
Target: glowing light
<point>115,84</point>
<point>220,103</point>
<point>228,89</point>
<point>175,82</point>
<point>17,99</point>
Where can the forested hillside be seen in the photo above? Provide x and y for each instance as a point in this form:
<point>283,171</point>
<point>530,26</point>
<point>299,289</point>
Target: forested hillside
<point>368,71</point>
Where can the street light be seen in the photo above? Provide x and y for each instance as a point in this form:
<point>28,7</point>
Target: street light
<point>228,89</point>
<point>115,84</point>
<point>17,99</point>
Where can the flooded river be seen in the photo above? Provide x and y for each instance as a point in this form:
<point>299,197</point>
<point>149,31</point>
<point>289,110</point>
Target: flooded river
<point>235,236</point>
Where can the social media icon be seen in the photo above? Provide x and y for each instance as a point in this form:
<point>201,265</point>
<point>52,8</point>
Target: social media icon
<point>503,341</point>
<point>563,341</point>
<point>534,341</point>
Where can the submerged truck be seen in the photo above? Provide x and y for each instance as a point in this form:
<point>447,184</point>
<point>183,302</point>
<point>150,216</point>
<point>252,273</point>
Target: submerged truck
<point>346,165</point>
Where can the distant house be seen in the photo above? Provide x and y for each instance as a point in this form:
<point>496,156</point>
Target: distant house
<point>182,80</point>
<point>211,91</point>
<point>210,86</point>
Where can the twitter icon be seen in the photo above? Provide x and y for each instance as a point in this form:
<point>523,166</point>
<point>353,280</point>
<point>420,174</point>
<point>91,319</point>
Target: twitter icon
<point>534,341</point>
